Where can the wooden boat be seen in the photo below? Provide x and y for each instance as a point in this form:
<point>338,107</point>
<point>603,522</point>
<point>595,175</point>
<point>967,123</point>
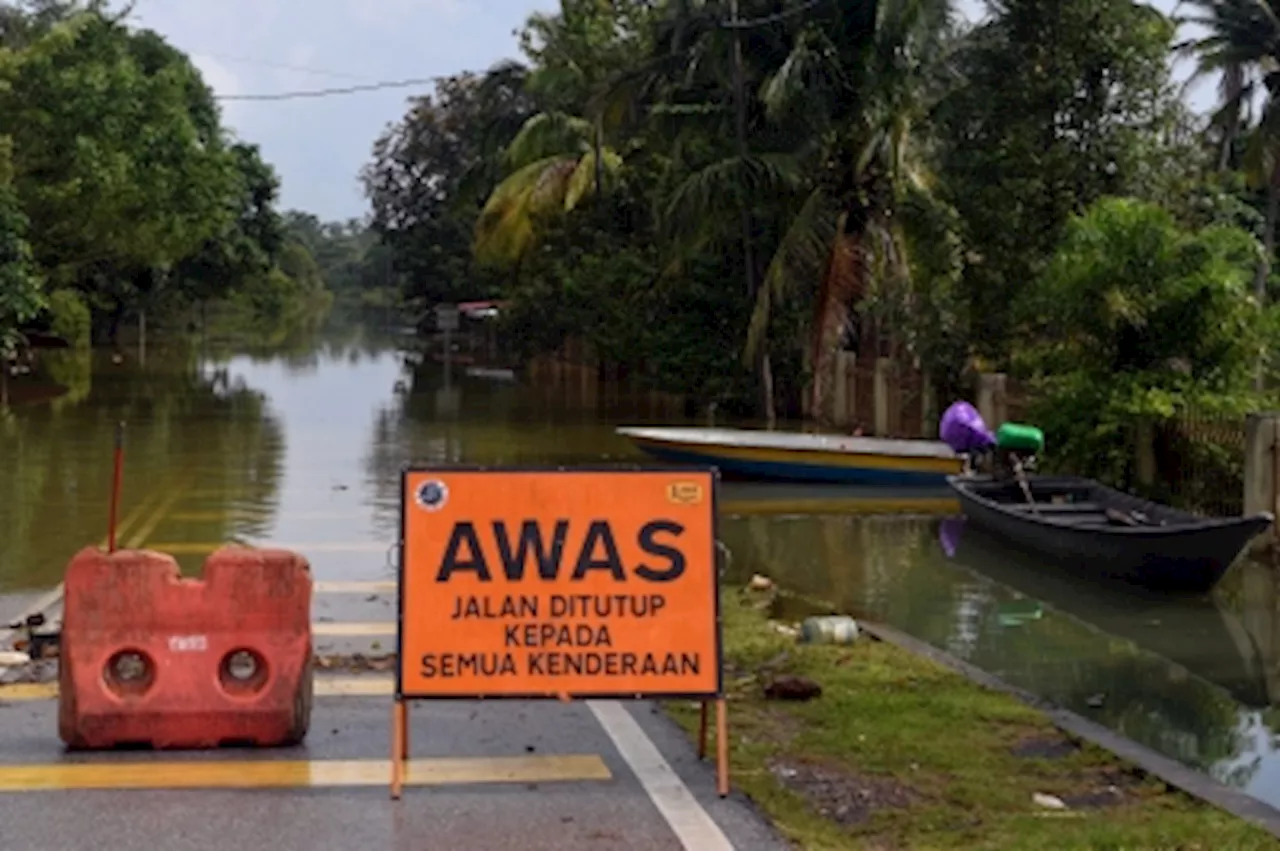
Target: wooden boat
<point>1099,530</point>
<point>791,456</point>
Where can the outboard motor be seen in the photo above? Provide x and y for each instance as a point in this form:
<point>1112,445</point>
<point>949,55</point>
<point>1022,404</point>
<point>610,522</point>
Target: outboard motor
<point>963,429</point>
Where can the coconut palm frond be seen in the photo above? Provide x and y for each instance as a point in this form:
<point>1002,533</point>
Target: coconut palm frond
<point>812,65</point>
<point>582,181</point>
<point>799,257</point>
<point>547,134</point>
<point>505,227</point>
<point>730,180</point>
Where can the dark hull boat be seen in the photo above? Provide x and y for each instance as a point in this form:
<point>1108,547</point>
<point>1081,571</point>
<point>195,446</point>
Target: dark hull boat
<point>1095,529</point>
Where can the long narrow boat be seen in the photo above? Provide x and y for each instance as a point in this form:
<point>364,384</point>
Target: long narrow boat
<point>1101,531</point>
<point>791,456</point>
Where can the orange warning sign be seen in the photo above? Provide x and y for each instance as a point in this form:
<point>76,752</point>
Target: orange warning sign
<point>558,583</point>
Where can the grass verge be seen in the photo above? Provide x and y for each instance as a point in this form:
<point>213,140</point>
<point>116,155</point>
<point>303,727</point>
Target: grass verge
<point>901,753</point>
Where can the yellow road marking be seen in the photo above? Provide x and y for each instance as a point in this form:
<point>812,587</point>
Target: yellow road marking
<point>301,774</point>
<point>324,687</point>
<point>206,547</point>
<point>55,594</point>
<point>153,520</point>
<point>335,587</point>
<point>215,516</point>
<point>123,527</point>
<point>355,687</point>
<point>14,692</point>
<point>348,629</point>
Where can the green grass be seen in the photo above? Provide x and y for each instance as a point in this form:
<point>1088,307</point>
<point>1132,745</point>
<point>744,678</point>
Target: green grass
<point>925,759</point>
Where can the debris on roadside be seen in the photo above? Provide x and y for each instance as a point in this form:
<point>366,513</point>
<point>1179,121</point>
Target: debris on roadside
<point>785,629</point>
<point>356,662</point>
<point>792,687</point>
<point>829,629</point>
<point>1049,802</point>
<point>13,659</point>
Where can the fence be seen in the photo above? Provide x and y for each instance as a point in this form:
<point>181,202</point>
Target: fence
<point>573,378</point>
<point>1200,461</point>
<point>1195,461</point>
<point>883,398</point>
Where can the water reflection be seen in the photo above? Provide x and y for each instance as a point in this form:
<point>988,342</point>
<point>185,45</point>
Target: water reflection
<point>301,443</point>
<point>1184,677</point>
<point>188,426</point>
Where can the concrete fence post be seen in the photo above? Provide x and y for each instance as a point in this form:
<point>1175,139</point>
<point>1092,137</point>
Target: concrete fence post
<point>993,399</point>
<point>880,394</point>
<point>1261,459</point>
<point>1144,447</point>
<point>928,408</point>
<point>842,413</point>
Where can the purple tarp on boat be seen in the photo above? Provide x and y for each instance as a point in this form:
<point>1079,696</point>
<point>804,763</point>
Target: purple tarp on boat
<point>963,430</point>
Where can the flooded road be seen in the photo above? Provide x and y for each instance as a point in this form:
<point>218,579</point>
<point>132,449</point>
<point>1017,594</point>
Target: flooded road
<point>304,446</point>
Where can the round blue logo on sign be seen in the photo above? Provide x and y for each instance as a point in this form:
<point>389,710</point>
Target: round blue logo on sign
<point>433,495</point>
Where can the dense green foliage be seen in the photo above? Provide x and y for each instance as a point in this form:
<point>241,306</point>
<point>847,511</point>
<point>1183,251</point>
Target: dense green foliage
<point>121,194</point>
<point>720,206</point>
<point>1140,321</point>
<point>348,259</point>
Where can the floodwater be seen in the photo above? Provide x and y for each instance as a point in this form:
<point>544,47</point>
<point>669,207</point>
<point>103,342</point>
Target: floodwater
<point>301,445</point>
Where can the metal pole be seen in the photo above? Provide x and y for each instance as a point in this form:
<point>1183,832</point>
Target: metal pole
<point>763,369</point>
<point>740,109</point>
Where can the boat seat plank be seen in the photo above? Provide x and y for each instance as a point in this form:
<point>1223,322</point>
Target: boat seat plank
<point>1058,508</point>
<point>1098,519</point>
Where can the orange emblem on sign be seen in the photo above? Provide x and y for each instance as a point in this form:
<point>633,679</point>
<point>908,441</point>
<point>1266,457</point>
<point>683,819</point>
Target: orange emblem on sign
<point>685,493</point>
<point>585,583</point>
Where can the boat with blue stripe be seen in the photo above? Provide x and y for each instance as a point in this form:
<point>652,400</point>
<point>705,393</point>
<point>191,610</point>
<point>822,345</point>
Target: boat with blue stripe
<point>799,457</point>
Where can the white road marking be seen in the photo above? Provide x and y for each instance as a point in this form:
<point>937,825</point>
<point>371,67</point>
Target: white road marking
<point>692,824</point>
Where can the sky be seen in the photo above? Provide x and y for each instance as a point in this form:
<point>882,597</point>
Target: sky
<point>318,145</point>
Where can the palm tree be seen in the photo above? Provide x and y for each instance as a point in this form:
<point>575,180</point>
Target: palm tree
<point>557,158</point>
<point>1243,46</point>
<point>554,162</point>
<point>864,87</point>
<point>841,91</point>
<point>694,86</point>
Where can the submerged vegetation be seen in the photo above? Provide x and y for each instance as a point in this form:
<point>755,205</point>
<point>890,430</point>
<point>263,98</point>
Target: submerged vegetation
<point>721,204</point>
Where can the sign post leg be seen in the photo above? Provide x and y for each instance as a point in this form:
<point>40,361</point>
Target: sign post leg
<point>404,732</point>
<point>702,730</point>
<point>399,745</point>
<point>722,747</point>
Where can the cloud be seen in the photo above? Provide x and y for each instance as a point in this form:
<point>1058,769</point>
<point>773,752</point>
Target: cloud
<point>391,14</point>
<point>222,80</point>
<point>318,145</point>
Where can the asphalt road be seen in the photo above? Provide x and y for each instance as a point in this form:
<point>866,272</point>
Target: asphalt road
<point>617,812</point>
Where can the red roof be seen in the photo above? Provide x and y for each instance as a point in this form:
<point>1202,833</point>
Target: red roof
<point>469,306</point>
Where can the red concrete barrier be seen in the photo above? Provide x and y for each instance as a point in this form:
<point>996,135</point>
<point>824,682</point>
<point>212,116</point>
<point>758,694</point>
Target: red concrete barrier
<point>150,658</point>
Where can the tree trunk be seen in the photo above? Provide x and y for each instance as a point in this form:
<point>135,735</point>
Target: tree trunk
<point>1232,85</point>
<point>764,370</point>
<point>1264,265</point>
<point>841,285</point>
